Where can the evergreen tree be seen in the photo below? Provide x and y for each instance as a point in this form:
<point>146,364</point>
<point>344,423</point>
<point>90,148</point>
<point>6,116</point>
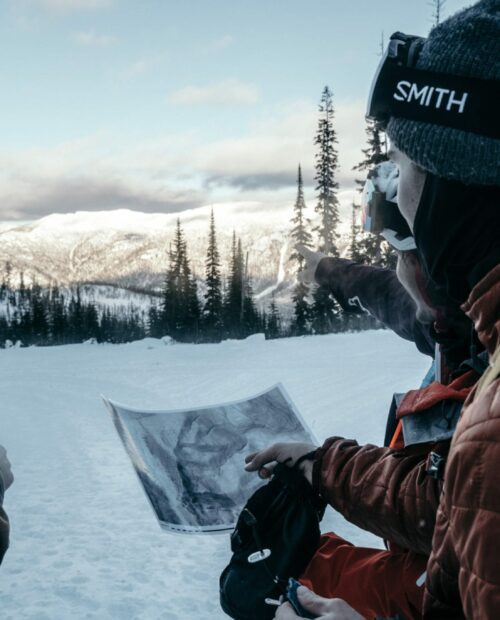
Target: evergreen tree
<point>372,249</point>
<point>355,248</point>
<point>155,324</point>
<point>75,317</point>
<point>325,313</point>
<point>233,306</point>
<point>39,320</point>
<point>389,256</point>
<point>437,6</point>
<point>58,317</point>
<point>213,308</point>
<point>250,319</point>
<point>171,297</point>
<point>190,327</point>
<point>181,309</point>
<point>90,328</point>
<point>300,234</point>
<point>302,310</point>
<point>273,327</point>
<point>326,167</point>
<point>376,151</point>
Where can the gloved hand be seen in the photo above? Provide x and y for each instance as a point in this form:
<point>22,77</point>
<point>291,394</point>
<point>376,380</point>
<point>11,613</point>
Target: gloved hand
<point>306,276</point>
<point>5,469</point>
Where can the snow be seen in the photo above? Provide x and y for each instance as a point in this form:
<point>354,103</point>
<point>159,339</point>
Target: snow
<point>85,542</point>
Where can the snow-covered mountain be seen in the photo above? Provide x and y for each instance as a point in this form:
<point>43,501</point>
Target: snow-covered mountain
<point>130,248</point>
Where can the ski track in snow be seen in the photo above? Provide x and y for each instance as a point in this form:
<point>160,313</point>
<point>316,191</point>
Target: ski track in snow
<point>281,273</point>
<point>85,542</point>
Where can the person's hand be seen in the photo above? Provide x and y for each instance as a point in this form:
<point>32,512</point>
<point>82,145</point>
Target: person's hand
<point>323,608</point>
<point>306,276</point>
<point>5,469</point>
<point>288,453</point>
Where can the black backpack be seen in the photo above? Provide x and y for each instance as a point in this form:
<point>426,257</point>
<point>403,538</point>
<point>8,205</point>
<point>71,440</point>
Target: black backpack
<point>276,535</point>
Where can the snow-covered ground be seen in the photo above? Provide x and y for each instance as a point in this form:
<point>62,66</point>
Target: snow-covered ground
<point>85,542</point>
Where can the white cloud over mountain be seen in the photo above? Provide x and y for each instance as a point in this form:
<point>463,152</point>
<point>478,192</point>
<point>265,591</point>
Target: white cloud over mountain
<point>93,39</point>
<point>176,172</point>
<point>73,5</point>
<point>227,92</point>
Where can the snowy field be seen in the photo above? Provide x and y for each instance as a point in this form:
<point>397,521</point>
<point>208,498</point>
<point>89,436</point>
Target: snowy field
<point>85,542</point>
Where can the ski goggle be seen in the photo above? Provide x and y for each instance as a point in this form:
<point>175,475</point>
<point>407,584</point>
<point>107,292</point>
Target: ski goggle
<point>401,90</point>
<point>380,213</point>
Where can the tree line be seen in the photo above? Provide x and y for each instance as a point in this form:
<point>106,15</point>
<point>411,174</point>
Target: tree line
<point>32,315</point>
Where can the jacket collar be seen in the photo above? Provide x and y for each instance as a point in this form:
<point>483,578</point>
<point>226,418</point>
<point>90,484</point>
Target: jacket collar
<point>483,307</point>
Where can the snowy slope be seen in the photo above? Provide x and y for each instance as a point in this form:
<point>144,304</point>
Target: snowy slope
<point>85,543</point>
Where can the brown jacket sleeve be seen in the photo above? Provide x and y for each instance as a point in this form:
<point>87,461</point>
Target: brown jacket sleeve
<point>384,491</point>
<point>464,569</point>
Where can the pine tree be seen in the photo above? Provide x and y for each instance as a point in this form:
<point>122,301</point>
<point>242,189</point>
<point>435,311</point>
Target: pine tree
<point>273,327</point>
<point>190,324</point>
<point>90,322</point>
<point>39,316</point>
<point>326,167</point>
<point>437,6</point>
<point>300,234</point>
<point>154,324</point>
<point>355,249</point>
<point>213,307</point>
<point>75,317</point>
<point>170,302</point>
<point>302,310</point>
<point>376,151</point>
<point>233,306</point>
<point>175,308</point>
<point>250,319</point>
<point>372,249</point>
<point>58,317</point>
<point>325,313</point>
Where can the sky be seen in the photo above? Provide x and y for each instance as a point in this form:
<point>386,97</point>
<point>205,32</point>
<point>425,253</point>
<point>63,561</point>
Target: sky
<point>162,105</point>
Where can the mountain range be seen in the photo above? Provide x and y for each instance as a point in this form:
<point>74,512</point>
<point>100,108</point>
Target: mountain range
<point>129,249</point>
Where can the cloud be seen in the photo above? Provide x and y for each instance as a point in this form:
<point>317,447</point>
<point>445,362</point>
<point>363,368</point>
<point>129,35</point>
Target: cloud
<point>218,44</point>
<point>143,65</point>
<point>37,182</point>
<point>267,158</point>
<point>72,5</point>
<point>256,181</point>
<point>35,198</point>
<point>92,39</point>
<point>227,92</point>
<point>177,171</point>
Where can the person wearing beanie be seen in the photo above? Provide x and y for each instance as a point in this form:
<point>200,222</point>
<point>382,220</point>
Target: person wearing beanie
<point>465,45</point>
<point>456,226</point>
<point>449,194</point>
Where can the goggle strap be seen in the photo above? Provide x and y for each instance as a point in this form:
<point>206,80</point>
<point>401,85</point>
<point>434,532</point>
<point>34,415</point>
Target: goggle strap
<point>469,104</point>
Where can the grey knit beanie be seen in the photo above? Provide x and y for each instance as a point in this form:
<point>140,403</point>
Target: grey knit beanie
<point>467,44</point>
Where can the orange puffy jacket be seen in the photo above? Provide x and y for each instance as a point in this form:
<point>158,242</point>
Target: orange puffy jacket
<point>464,568</point>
